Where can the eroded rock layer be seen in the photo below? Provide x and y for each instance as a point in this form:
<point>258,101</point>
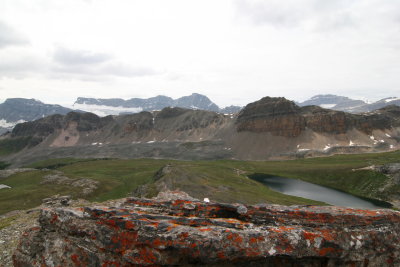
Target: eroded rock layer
<point>143,232</point>
<point>282,117</point>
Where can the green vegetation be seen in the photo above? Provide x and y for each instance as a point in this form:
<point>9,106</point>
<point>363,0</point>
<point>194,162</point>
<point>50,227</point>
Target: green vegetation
<point>222,180</point>
<point>3,165</point>
<point>7,221</point>
<point>57,163</point>
<point>10,146</point>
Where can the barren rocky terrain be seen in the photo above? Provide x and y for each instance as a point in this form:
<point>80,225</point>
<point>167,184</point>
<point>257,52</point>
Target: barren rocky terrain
<point>270,128</point>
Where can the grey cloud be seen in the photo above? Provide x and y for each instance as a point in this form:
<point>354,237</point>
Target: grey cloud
<point>268,12</point>
<point>112,69</point>
<point>292,13</point>
<point>10,37</point>
<point>123,70</point>
<point>85,63</point>
<point>19,63</point>
<point>79,57</point>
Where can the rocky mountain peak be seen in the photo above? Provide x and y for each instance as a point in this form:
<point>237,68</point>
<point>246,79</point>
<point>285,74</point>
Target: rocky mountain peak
<point>22,101</point>
<point>17,110</point>
<point>268,106</point>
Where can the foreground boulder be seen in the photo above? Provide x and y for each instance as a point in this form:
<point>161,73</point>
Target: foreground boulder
<point>144,232</point>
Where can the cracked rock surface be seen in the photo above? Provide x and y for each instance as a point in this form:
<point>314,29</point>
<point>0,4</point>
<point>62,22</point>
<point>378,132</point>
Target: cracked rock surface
<point>154,232</point>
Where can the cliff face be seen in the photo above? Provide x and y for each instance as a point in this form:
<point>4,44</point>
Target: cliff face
<point>179,230</point>
<point>275,115</point>
<point>282,117</point>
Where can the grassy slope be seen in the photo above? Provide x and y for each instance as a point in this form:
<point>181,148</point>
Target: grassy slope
<point>9,146</point>
<point>120,177</point>
<point>222,183</point>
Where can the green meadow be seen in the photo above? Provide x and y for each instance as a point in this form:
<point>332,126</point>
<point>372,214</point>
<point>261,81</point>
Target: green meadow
<point>221,180</point>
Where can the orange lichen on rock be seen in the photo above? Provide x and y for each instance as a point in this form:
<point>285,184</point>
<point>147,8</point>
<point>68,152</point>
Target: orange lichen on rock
<point>156,232</point>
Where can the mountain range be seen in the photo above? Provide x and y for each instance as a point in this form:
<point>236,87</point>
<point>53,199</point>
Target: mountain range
<point>17,110</point>
<point>346,104</point>
<point>266,129</point>
<point>116,106</point>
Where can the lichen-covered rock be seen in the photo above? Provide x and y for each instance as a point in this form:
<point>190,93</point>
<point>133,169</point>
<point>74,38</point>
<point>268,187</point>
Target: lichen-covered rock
<point>57,201</point>
<point>151,232</point>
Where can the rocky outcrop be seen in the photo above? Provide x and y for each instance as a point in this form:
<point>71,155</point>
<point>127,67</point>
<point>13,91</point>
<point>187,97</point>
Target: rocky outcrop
<point>275,115</point>
<point>87,185</point>
<point>9,172</point>
<point>176,231</point>
<point>282,117</point>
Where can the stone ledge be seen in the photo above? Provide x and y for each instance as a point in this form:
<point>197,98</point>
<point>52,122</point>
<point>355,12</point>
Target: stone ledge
<point>155,232</point>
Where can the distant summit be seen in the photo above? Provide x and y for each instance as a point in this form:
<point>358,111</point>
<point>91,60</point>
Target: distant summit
<point>17,110</point>
<point>346,104</point>
<point>116,106</point>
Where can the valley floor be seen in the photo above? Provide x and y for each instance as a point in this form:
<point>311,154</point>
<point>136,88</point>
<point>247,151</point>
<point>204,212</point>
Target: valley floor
<point>219,180</point>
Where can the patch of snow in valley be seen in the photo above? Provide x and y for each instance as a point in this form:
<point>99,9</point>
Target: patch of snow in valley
<point>372,137</point>
<point>327,147</point>
<point>327,105</point>
<point>6,124</point>
<point>351,143</point>
<point>93,144</point>
<point>2,186</point>
<point>391,146</point>
<point>303,149</point>
<point>103,111</point>
<point>150,142</point>
<point>388,135</point>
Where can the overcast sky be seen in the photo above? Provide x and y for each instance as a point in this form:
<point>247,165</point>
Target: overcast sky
<point>235,52</point>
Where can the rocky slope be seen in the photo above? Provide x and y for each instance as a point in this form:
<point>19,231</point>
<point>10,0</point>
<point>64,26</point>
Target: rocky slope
<point>176,229</point>
<point>270,127</point>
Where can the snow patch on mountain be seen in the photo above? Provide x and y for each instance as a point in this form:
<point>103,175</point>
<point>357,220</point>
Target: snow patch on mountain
<point>6,124</point>
<point>103,111</point>
<point>327,105</point>
<point>390,99</point>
